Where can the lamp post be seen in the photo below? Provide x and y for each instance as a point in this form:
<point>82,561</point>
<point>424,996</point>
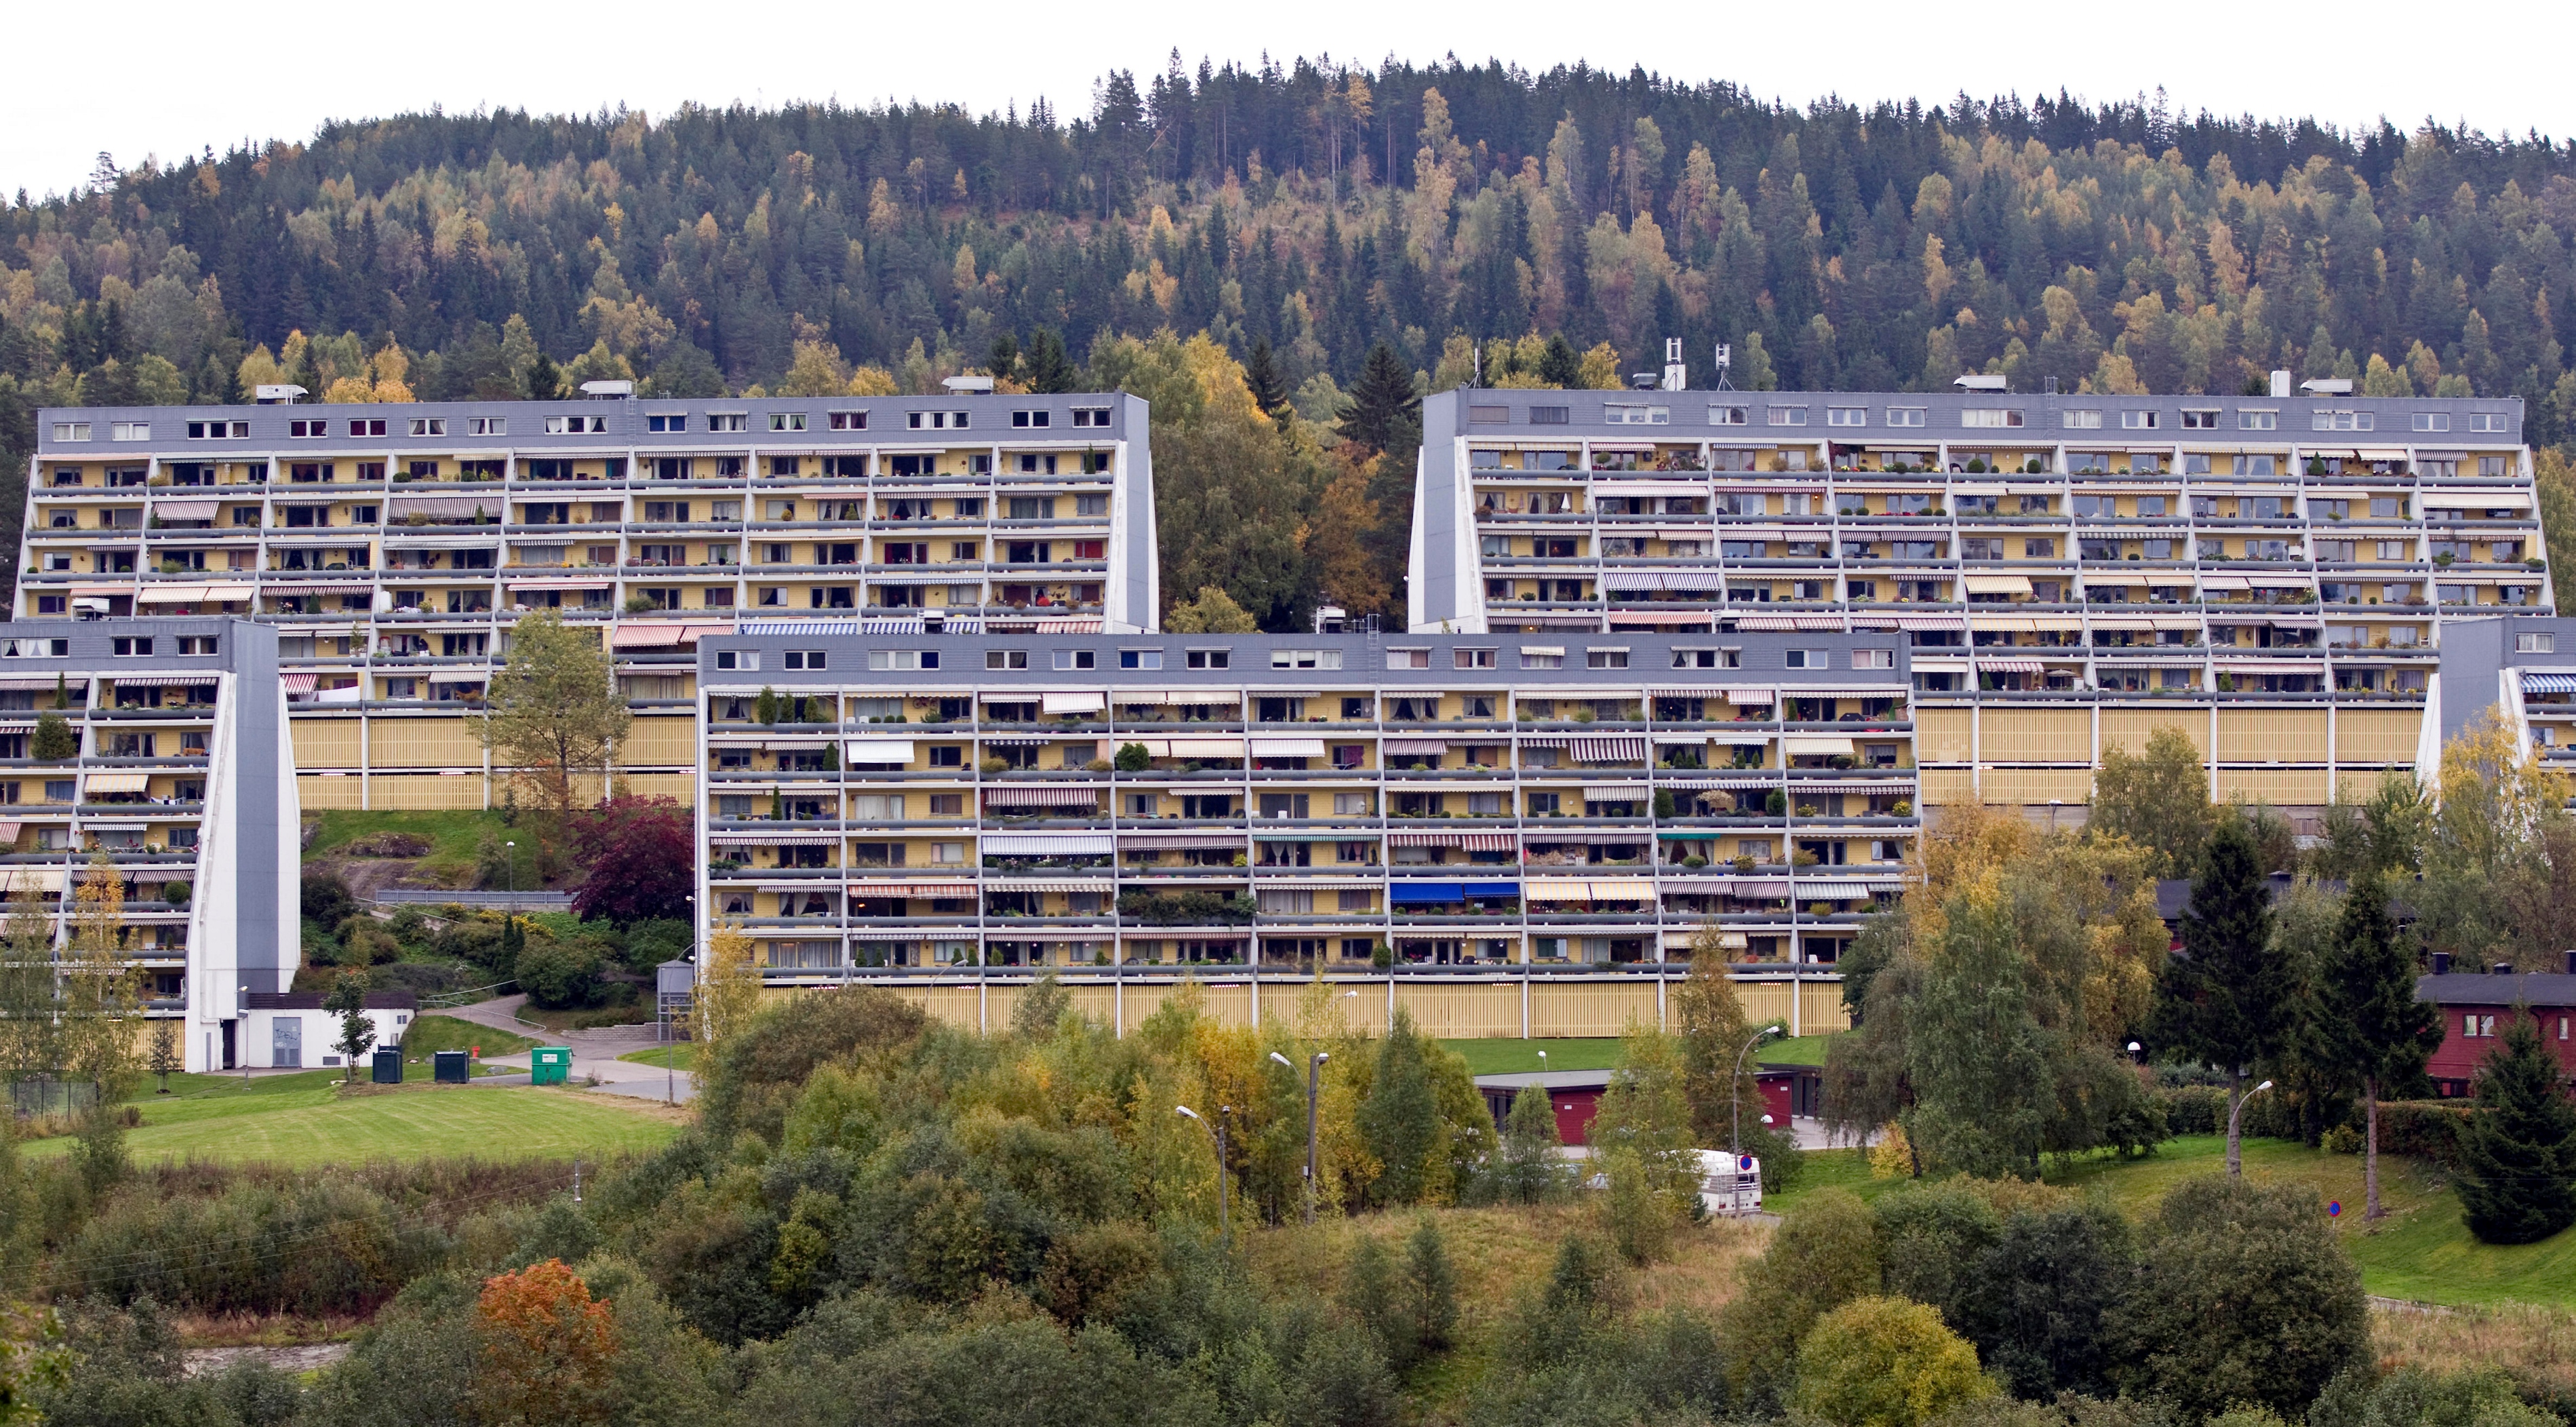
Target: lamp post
<point>1314,1073</point>
<point>245,1036</point>
<point>1735,1102</point>
<point>510,854</point>
<point>2235,1157</point>
<point>1216,1132</point>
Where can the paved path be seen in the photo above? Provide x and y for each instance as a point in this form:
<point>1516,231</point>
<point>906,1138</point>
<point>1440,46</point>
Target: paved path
<point>595,1053</point>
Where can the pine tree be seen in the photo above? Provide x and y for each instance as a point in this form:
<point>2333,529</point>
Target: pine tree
<point>545,379</point>
<point>1530,1170</point>
<point>1558,366</point>
<point>2518,1160</point>
<point>54,741</point>
<point>2221,999</point>
<point>2379,1030</point>
<point>1384,414</point>
<point>1262,375</point>
<point>1400,1119</point>
<point>1430,1289</point>
<point>1047,369</point>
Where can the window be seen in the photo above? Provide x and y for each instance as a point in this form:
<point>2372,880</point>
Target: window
<point>937,420</point>
<point>300,429</point>
<point>1551,415</point>
<point>1210,658</point>
<point>1708,658</point>
<point>1140,658</point>
<point>2200,420</point>
<point>728,421</point>
<point>129,431</point>
<point>1542,656</point>
<point>2432,421</point>
<point>805,659</point>
<point>1622,415</point>
<point>2487,421</point>
<point>1873,659</point>
<point>1408,658</point>
<point>848,420</point>
<point>885,659</point>
<point>1786,416</point>
<point>1309,659</point>
<point>1846,416</point>
<point>2258,421</point>
<point>1899,416</point>
<point>1605,658</point>
<point>2080,420</point>
<point>787,421</point>
<point>1075,659</point>
<point>1718,416</point>
<point>1091,416</point>
<point>576,425</point>
<point>1006,658</point>
<point>2342,421</point>
<point>137,648</point>
<point>1024,419</point>
<point>1991,416</point>
<point>2137,421</point>
<point>665,423</point>
<point>2535,644</point>
<point>743,659</point>
<point>428,426</point>
<point>1810,659</point>
<point>1471,658</point>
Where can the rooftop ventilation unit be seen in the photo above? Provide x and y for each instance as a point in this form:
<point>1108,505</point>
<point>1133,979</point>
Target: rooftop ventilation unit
<point>2280,385</point>
<point>2327,386</point>
<point>277,394</point>
<point>605,391</point>
<point>1976,381</point>
<point>964,385</point>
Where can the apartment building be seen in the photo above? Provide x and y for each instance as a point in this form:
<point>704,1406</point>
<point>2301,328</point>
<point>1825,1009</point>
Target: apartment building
<point>393,546</point>
<point>2523,671</point>
<point>950,812</point>
<point>180,781</point>
<point>2273,575</point>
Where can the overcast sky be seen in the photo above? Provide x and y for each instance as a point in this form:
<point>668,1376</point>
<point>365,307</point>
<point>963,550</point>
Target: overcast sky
<point>155,78</point>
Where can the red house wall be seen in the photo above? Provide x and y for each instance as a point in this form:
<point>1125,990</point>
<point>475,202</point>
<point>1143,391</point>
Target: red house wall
<point>2456,1059</point>
<point>1574,1111</point>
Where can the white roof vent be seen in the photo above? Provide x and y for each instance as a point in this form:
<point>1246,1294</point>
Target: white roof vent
<point>277,394</point>
<point>2327,386</point>
<point>964,385</point>
<point>606,390</point>
<point>1978,381</point>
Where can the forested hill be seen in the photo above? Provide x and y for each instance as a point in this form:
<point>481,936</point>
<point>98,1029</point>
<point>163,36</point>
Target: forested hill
<point>1321,209</point>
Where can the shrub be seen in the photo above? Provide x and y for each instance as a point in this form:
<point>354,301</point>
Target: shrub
<point>1885,1362</point>
<point>560,975</point>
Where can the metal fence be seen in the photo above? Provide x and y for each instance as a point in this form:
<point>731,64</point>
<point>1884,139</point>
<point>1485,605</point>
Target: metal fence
<point>490,901</point>
<point>45,1095</point>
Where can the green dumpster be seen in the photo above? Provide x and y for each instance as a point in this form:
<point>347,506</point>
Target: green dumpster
<point>550,1065</point>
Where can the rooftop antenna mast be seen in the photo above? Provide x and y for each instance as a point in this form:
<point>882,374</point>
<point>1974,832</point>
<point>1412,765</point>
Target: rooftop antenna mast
<point>1725,365</point>
<point>1676,371</point>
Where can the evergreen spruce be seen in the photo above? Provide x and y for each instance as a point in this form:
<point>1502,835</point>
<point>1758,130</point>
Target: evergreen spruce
<point>2379,1030</point>
<point>54,741</point>
<point>2222,999</point>
<point>1430,1289</point>
<point>1384,413</point>
<point>545,380</point>
<point>1530,1171</point>
<point>1558,366</point>
<point>1045,367</point>
<point>2518,1160</point>
<point>1261,374</point>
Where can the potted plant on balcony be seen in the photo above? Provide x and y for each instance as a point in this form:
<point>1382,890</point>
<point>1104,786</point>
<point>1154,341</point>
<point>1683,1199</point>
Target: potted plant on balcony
<point>1902,808</point>
<point>1776,803</point>
<point>1744,864</point>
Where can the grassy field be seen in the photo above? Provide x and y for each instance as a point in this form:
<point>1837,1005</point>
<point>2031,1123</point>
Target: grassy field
<point>308,1119</point>
<point>436,1033</point>
<point>1503,1057</point>
<point>453,838</point>
<point>2420,1252</point>
<point>683,1056</point>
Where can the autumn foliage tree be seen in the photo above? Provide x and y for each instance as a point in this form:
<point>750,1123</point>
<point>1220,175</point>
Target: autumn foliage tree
<point>641,857</point>
<point>548,1349</point>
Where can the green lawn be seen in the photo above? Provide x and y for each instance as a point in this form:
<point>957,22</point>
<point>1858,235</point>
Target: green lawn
<point>436,1033</point>
<point>683,1056</point>
<point>2420,1252</point>
<point>305,1119</point>
<point>1794,1050</point>
<point>1502,1057</point>
<point>453,838</point>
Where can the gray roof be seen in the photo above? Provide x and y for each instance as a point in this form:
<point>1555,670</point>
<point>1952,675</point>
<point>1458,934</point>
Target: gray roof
<point>1547,1080</point>
<point>2537,989</point>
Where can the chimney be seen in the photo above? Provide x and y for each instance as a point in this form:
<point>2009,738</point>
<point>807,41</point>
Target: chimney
<point>2504,968</point>
<point>2280,385</point>
<point>2442,963</point>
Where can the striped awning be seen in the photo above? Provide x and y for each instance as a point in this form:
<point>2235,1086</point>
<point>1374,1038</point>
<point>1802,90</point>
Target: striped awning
<point>1046,844</point>
<point>1098,884</point>
<point>1470,841</point>
<point>1611,889</point>
<point>1175,841</point>
<point>1039,795</point>
<point>1287,748</point>
<point>773,839</point>
<point>896,887</point>
<point>1431,746</point>
<point>114,783</point>
<point>1616,748</point>
<point>1830,891</point>
<point>2549,683</point>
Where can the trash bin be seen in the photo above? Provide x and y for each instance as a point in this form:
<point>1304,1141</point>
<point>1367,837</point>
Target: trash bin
<point>451,1067</point>
<point>389,1066</point>
<point>550,1065</point>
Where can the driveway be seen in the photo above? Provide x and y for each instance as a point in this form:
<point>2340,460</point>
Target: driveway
<point>594,1053</point>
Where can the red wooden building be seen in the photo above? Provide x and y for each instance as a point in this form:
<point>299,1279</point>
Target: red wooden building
<point>1576,1095</point>
<point>2477,1007</point>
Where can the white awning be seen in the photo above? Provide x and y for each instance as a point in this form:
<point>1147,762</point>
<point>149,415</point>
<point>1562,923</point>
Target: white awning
<point>1287,748</point>
<point>114,783</point>
<point>1046,844</point>
<point>1997,584</point>
<point>1798,744</point>
<point>880,750</point>
<point>1090,702</point>
<point>174,594</point>
<point>185,509</point>
<point>466,505</point>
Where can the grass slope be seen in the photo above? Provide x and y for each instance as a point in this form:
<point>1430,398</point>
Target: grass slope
<point>2420,1252</point>
<point>1502,1057</point>
<point>453,838</point>
<point>308,1119</point>
<point>437,1033</point>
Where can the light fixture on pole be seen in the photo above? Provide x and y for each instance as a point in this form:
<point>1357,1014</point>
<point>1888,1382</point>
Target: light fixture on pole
<point>2235,1155</point>
<point>245,1036</point>
<point>1216,1132</point>
<point>1314,1074</point>
<point>1735,1102</point>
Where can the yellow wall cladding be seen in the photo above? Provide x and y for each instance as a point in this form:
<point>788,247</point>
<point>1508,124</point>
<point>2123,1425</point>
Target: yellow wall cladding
<point>1948,787</point>
<point>2036,787</point>
<point>325,742</point>
<point>423,743</point>
<point>2377,735</point>
<point>2272,735</point>
<point>1941,735</point>
<point>2131,728</point>
<point>659,743</point>
<point>424,791</point>
<point>1487,1010</point>
<point>313,792</point>
<point>2277,786</point>
<point>2035,736</point>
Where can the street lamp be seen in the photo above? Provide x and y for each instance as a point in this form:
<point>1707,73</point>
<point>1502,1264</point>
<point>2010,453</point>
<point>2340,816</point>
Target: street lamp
<point>1314,1072</point>
<point>245,1036</point>
<point>1216,1132</point>
<point>2235,1155</point>
<point>2137,1052</point>
<point>1735,1102</point>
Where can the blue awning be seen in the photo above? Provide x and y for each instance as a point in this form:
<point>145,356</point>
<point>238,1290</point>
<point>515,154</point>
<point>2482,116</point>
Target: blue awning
<point>1402,892</point>
<point>2549,683</point>
<point>1493,889</point>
